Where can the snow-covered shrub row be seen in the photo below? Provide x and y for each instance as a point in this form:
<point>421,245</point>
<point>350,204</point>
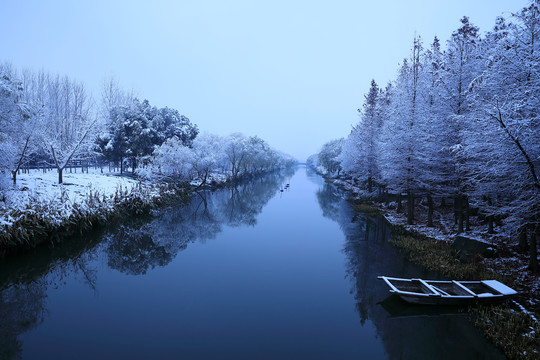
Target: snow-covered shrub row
<point>216,157</point>
<point>459,122</point>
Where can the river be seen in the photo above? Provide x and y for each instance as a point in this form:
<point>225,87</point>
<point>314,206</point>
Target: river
<point>250,272</point>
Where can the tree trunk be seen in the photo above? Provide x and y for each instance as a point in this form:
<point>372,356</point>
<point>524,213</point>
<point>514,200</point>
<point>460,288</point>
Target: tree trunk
<point>456,201</point>
<point>60,175</point>
<point>430,211</point>
<point>533,254</point>
<point>490,226</point>
<point>14,173</point>
<point>523,244</point>
<point>467,214</point>
<point>366,238</point>
<point>410,207</point>
<point>399,206</point>
<point>459,212</point>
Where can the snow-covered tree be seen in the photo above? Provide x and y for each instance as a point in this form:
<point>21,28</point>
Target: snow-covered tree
<point>67,119</point>
<point>175,159</point>
<point>208,155</point>
<point>506,100</point>
<point>400,150</point>
<point>460,67</point>
<point>134,130</point>
<point>433,138</point>
<point>235,153</point>
<point>231,156</point>
<point>17,123</point>
<point>360,149</point>
<point>112,95</point>
<point>330,156</point>
<point>167,123</point>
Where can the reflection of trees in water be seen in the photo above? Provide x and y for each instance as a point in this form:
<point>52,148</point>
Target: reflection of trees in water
<point>367,252</point>
<point>21,309</point>
<point>330,200</point>
<point>369,255</point>
<point>24,281</point>
<point>134,249</point>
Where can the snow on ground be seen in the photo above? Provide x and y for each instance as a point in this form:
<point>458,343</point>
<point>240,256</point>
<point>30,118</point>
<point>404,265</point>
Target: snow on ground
<point>57,202</point>
<point>75,187</point>
<point>38,188</point>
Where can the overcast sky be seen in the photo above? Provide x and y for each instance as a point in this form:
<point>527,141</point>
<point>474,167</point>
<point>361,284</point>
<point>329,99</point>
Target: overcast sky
<point>292,72</point>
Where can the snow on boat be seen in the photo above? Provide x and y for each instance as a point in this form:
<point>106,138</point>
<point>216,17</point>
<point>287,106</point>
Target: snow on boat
<point>442,292</point>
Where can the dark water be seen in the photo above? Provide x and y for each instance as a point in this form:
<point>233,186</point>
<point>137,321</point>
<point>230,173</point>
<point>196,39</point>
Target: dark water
<point>244,273</point>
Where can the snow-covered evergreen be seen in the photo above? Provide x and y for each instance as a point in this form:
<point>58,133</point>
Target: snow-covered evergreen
<point>360,150</point>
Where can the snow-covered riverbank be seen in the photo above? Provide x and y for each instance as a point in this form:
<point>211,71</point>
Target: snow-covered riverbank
<point>38,207</point>
<point>42,187</point>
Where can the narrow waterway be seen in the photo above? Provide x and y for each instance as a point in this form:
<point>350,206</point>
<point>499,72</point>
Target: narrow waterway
<point>261,271</point>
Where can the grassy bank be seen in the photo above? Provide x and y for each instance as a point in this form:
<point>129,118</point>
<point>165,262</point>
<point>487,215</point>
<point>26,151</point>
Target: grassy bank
<point>439,256</point>
<point>365,208</point>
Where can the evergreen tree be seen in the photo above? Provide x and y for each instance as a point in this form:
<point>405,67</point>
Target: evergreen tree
<point>507,102</point>
<point>359,157</point>
<point>459,69</point>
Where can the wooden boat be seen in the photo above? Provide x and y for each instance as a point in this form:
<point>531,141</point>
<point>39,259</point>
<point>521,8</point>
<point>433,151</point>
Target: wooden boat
<point>442,292</point>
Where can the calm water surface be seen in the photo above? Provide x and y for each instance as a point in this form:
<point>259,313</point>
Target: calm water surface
<point>243,273</point>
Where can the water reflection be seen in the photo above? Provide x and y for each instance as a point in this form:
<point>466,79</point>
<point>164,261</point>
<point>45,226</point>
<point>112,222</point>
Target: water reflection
<point>21,309</point>
<point>274,289</point>
<point>135,249</point>
<point>25,279</point>
<point>405,335</point>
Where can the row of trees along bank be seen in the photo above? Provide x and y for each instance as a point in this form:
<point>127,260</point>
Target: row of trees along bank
<point>52,122</point>
<point>461,122</point>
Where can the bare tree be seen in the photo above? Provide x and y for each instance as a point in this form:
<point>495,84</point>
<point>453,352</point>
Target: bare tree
<point>66,129</point>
